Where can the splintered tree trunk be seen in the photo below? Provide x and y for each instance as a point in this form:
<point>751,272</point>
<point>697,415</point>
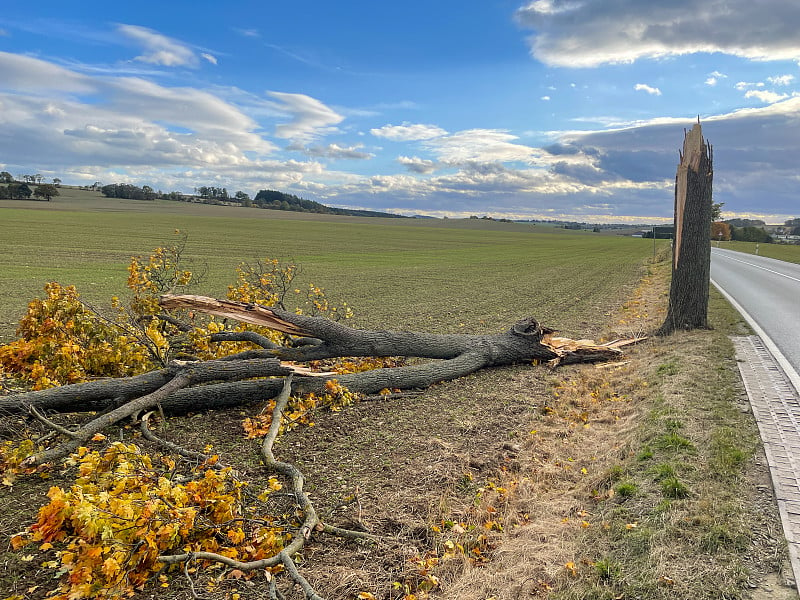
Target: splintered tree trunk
<point>691,246</point>
<point>239,379</point>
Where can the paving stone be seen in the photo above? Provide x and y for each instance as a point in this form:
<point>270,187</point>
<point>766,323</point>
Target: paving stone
<point>776,407</point>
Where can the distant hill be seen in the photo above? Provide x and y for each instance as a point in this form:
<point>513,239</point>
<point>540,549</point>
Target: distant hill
<point>272,199</point>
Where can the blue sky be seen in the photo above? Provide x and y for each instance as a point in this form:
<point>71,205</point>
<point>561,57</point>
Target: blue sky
<point>554,109</point>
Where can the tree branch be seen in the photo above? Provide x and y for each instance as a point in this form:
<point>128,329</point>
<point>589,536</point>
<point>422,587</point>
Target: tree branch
<point>186,376</point>
<point>310,519</point>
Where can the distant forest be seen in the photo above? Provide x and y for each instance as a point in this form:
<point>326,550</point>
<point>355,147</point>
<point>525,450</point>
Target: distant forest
<point>268,199</point>
<point>275,200</point>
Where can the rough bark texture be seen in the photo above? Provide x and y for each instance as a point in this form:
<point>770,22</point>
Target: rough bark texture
<point>691,246</point>
<point>238,379</point>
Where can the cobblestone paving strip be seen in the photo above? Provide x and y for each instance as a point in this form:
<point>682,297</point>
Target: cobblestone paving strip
<point>776,407</point>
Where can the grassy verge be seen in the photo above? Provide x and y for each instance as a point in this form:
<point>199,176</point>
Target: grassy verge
<point>786,252</point>
<point>644,479</point>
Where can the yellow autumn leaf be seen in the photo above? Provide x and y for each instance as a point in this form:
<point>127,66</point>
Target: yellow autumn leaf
<point>110,568</point>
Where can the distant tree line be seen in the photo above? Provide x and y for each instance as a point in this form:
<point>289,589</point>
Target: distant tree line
<point>210,194</point>
<point>20,190</point>
<point>131,192</point>
<point>275,200</point>
<point>15,191</point>
<point>750,234</point>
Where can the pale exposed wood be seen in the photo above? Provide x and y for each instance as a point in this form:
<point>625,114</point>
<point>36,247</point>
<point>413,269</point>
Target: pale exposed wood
<point>255,314</point>
<point>693,150</point>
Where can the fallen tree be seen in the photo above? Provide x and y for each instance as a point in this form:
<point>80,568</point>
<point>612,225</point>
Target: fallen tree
<point>273,372</point>
<point>239,379</point>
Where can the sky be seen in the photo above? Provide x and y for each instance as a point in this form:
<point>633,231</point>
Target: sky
<point>551,109</point>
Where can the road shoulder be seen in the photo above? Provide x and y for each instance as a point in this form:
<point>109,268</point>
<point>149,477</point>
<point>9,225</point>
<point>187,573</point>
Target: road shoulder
<point>776,407</point>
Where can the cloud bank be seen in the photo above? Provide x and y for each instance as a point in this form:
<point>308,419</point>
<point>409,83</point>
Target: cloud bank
<point>575,33</point>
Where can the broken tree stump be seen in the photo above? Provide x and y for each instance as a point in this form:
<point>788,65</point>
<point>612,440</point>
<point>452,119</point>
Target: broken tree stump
<point>691,245</point>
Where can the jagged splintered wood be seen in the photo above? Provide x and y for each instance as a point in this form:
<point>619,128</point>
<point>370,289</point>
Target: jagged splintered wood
<point>691,246</point>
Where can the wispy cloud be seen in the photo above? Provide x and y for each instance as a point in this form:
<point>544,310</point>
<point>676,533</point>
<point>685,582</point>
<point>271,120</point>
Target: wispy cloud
<point>744,85</point>
<point>159,49</point>
<point>714,77</point>
<point>643,87</point>
<point>480,146</point>
<point>209,57</point>
<point>408,132</point>
<point>245,32</point>
<point>310,118</point>
<point>336,152</point>
<point>781,80</point>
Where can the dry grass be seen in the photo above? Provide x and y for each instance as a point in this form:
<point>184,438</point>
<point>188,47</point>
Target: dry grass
<point>675,500</point>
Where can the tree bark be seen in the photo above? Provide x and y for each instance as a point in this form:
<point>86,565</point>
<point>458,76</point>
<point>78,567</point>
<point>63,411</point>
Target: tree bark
<point>239,379</point>
<point>691,246</point>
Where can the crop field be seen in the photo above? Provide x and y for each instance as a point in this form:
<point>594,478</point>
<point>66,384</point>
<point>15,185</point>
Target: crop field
<point>411,273</point>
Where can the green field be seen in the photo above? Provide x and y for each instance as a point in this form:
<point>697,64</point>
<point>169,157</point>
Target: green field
<point>425,274</point>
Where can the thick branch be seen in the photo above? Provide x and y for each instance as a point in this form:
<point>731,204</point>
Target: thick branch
<point>189,375</point>
<point>244,336</point>
<point>83,396</point>
<point>526,340</point>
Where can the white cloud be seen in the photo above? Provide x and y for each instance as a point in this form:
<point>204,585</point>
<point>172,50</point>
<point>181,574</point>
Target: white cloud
<point>408,132</point>
<point>32,75</point>
<point>334,151</point>
<point>545,98</point>
<point>310,117</point>
<point>765,96</point>
<point>159,49</point>
<point>127,121</point>
<point>743,85</point>
<point>781,80</point>
<point>209,57</point>
<point>643,87</point>
<point>714,77</point>
<point>572,33</point>
<point>480,145</point>
<point>419,165</point>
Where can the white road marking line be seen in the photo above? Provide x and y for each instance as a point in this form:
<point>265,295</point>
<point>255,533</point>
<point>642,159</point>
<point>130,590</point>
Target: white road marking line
<point>787,367</point>
<point>758,267</point>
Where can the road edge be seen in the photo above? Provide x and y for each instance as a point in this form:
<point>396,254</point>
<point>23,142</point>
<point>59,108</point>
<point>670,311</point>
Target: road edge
<point>785,365</point>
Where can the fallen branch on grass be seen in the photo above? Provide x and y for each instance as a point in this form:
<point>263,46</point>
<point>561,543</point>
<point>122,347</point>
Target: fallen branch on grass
<point>239,380</point>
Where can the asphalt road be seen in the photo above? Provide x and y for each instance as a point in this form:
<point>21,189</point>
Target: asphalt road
<point>769,292</point>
